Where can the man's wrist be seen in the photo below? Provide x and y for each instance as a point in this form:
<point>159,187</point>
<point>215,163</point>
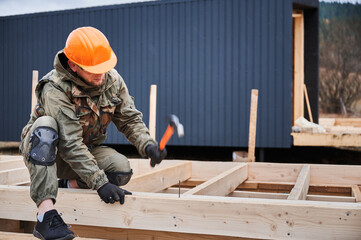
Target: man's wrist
<point>101,186</point>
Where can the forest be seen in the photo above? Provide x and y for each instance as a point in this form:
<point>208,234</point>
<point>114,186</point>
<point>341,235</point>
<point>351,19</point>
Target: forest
<point>340,58</point>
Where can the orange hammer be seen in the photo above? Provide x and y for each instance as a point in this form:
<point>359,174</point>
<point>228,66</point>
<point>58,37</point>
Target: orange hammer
<point>173,124</point>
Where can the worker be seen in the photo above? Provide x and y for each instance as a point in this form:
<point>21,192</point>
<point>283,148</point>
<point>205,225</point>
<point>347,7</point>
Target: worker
<point>76,102</point>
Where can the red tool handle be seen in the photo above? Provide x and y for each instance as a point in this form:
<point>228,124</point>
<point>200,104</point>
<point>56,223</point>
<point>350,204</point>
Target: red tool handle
<point>167,135</point>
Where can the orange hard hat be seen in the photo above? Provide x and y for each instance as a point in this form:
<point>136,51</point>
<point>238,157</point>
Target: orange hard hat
<point>90,49</point>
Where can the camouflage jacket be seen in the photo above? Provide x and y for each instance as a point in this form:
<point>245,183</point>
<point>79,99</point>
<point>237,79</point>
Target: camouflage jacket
<point>83,114</point>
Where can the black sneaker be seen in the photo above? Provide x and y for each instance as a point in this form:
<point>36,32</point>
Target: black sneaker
<point>52,227</point>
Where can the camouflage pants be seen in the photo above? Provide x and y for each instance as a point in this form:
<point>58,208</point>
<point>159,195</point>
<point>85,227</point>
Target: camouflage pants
<point>44,179</point>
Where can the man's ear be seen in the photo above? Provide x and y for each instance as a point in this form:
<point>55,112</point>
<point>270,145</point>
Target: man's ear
<point>72,65</point>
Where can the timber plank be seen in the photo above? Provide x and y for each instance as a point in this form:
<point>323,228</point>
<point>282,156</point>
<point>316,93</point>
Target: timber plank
<point>7,225</point>
<point>14,176</point>
<point>11,157</point>
<point>270,195</point>
<point>238,217</point>
<point>320,174</point>
<point>300,189</point>
<point>10,164</point>
<point>223,184</point>
<point>160,179</point>
<point>330,198</point>
<point>25,236</point>
<point>326,139</point>
<point>252,126</point>
<point>250,194</point>
<point>132,234</point>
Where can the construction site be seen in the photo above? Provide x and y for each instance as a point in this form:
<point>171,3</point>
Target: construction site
<point>250,154</point>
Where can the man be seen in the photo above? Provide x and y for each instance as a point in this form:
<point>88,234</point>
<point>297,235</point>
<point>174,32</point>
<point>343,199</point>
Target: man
<point>76,102</point>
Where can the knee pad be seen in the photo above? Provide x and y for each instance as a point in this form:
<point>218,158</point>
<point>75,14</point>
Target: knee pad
<point>43,146</point>
<point>119,178</point>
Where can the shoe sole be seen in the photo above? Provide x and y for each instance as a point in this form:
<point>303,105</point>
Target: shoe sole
<point>67,237</point>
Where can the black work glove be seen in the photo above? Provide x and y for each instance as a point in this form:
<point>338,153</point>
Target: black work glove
<point>111,193</point>
<point>155,154</point>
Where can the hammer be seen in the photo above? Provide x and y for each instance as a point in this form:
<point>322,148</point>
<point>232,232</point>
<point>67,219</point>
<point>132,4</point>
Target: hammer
<point>173,124</point>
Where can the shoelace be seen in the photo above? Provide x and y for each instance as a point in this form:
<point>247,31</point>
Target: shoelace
<point>56,221</point>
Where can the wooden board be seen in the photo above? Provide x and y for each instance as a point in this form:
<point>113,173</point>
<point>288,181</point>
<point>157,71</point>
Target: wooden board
<point>222,184</point>
<point>298,62</point>
<point>252,126</point>
<point>216,200</point>
<point>300,190</point>
<point>252,218</point>
<point>327,139</point>
<point>24,236</point>
<point>340,132</point>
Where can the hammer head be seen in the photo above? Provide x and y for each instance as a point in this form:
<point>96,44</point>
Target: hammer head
<point>174,122</point>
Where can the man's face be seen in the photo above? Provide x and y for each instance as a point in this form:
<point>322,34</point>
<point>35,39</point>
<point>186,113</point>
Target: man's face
<point>96,80</point>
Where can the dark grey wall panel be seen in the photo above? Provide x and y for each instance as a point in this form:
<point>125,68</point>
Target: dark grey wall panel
<point>204,55</point>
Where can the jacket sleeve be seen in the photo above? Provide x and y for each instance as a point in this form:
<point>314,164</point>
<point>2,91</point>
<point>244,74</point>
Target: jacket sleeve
<point>129,121</point>
<point>71,147</point>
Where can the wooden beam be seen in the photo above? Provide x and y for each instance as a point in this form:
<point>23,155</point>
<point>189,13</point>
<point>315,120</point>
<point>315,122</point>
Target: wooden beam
<point>273,172</point>
<point>335,174</point>
<point>14,176</point>
<point>321,174</point>
<point>283,187</point>
<point>252,126</point>
<point>7,225</point>
<point>271,195</point>
<point>326,198</point>
<point>152,110</point>
<point>298,60</point>
<point>223,184</point>
<point>10,164</point>
<point>356,193</point>
<point>299,191</point>
<point>135,234</point>
<point>326,139</point>
<point>250,194</point>
<point>308,103</point>
<point>205,170</point>
<point>238,217</point>
<point>33,95</point>
<point>9,145</point>
<point>352,122</point>
<point>10,157</point>
<point>160,179</point>
<point>26,236</point>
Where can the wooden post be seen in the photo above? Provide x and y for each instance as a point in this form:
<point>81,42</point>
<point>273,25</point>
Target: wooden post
<point>33,95</point>
<point>152,111</point>
<point>252,126</point>
<point>298,61</point>
<point>308,103</point>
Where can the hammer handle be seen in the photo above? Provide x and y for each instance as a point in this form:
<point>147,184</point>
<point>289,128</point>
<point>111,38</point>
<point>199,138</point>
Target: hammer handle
<point>167,135</point>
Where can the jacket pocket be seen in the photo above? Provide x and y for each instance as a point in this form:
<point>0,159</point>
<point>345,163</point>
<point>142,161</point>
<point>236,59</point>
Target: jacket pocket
<point>69,113</point>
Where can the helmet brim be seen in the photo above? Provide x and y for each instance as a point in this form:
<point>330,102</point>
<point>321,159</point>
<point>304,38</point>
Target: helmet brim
<point>102,67</point>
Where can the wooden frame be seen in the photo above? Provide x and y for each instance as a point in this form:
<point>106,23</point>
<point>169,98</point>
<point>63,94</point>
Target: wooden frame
<point>206,200</point>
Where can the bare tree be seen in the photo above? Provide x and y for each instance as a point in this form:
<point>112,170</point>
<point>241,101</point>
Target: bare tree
<point>340,64</point>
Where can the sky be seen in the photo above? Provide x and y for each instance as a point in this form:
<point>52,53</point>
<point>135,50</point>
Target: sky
<point>16,7</point>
